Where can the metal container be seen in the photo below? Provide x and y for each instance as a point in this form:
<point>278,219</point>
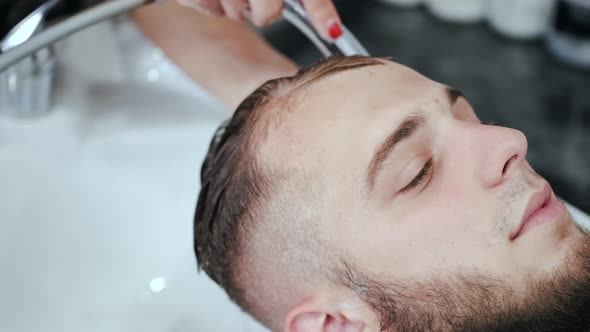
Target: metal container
<point>521,19</point>
<point>569,35</point>
<point>458,11</point>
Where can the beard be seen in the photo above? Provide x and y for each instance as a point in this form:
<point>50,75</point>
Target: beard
<point>559,301</point>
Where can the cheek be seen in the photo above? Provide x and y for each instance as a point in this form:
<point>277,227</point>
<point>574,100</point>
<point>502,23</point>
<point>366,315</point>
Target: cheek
<point>446,232</point>
<point>443,242</point>
<point>458,201</point>
<point>444,227</point>
<point>449,203</point>
<point>414,246</point>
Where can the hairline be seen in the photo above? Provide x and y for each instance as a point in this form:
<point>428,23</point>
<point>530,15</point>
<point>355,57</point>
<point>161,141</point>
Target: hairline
<point>252,118</point>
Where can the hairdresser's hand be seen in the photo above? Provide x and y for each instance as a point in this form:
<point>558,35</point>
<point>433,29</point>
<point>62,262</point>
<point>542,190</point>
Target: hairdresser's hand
<point>322,13</point>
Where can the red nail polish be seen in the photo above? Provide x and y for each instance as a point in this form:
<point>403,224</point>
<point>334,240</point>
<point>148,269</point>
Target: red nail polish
<point>335,30</point>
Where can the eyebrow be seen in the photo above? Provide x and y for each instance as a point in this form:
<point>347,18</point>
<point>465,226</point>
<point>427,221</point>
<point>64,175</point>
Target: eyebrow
<point>407,127</point>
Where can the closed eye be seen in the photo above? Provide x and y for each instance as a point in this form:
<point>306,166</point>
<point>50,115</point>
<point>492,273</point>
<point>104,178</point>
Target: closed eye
<point>420,177</point>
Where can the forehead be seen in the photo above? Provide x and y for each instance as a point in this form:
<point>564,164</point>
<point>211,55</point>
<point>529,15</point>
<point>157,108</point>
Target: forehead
<point>334,124</point>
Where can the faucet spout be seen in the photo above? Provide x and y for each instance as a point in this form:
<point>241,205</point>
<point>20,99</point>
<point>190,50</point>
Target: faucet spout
<point>65,28</point>
<point>26,28</point>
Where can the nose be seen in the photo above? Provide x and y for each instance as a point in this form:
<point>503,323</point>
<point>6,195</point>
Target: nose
<point>497,152</point>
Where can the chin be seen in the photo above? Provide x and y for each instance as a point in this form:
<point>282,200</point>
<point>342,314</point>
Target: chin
<point>558,233</point>
<point>549,246</point>
<point>567,239</point>
<point>568,232</point>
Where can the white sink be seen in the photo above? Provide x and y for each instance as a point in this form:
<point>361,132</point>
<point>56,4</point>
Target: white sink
<point>97,198</point>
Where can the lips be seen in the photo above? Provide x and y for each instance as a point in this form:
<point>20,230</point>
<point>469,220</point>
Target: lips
<point>538,201</point>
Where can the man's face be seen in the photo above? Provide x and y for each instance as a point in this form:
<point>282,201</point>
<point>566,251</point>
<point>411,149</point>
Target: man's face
<point>444,194</point>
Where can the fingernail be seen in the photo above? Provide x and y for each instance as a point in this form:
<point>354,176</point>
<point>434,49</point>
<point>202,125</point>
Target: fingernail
<point>335,30</point>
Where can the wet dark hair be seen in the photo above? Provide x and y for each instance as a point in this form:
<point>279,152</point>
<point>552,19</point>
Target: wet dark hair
<point>233,182</point>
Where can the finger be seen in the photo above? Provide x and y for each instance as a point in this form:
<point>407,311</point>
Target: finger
<point>265,12</point>
<point>234,9</point>
<point>324,17</point>
<point>207,7</point>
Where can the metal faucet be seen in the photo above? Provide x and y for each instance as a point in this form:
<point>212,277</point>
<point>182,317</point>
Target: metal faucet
<point>27,61</point>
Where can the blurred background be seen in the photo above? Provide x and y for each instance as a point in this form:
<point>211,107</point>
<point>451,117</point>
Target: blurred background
<point>102,137</point>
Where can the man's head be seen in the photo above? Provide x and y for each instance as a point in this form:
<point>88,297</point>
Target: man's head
<point>359,195</point>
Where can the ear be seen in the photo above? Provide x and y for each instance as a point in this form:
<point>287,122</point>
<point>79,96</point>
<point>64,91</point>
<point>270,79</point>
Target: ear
<point>310,316</point>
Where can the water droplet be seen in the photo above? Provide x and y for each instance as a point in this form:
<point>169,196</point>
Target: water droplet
<point>158,284</point>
